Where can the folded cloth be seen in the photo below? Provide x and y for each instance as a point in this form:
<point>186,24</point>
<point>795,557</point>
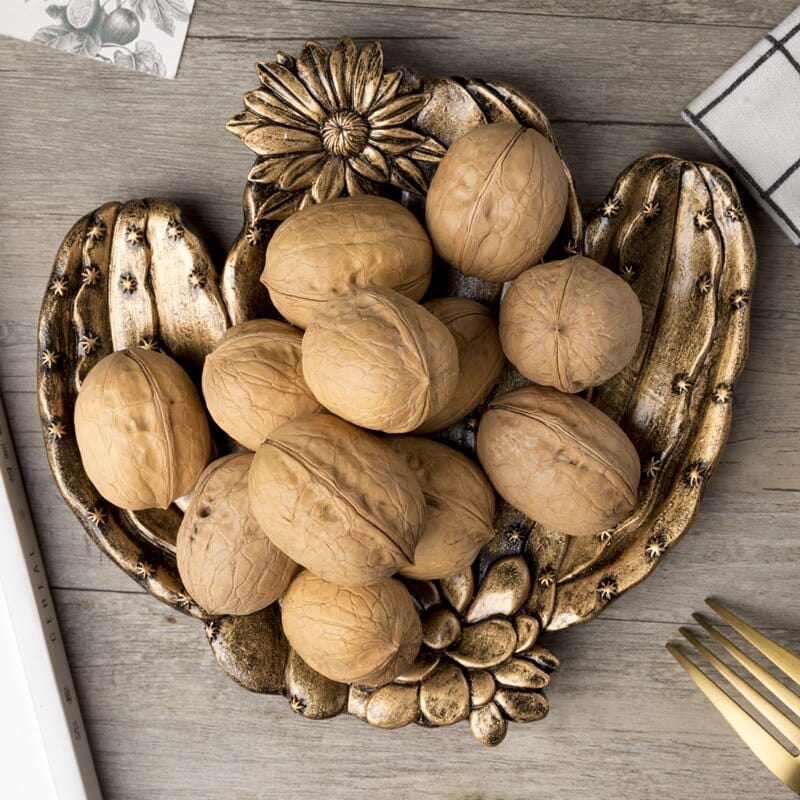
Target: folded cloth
<point>751,117</point>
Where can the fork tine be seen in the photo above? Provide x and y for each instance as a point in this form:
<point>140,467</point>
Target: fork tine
<point>771,753</point>
<point>787,697</point>
<point>784,660</point>
<point>785,725</point>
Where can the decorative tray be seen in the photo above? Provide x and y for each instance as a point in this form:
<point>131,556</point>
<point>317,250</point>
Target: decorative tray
<point>334,122</point>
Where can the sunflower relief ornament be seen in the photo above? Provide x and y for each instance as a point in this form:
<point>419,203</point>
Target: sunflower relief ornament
<point>332,123</point>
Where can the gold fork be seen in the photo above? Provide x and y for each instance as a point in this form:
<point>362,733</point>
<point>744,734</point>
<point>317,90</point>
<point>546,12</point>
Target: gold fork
<point>769,750</point>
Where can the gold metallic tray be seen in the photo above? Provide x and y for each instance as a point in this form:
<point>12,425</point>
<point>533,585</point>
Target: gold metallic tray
<point>331,122</point>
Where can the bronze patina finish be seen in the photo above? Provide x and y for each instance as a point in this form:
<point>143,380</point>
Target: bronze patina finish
<point>334,122</point>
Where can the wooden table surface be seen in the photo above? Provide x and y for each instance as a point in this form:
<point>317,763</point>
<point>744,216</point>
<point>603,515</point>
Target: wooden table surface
<point>625,722</point>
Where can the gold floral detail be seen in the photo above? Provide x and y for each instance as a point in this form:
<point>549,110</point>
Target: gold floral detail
<point>695,473</point>
<point>740,298</point>
<point>704,283</point>
<point>733,213</point>
<point>212,629</point>
<point>572,247</point>
<point>297,704</point>
<point>547,577</point>
<point>96,231</point>
<point>652,466</point>
<point>88,343</point>
<point>96,515</point>
<point>59,286</point>
<point>183,600</point>
<point>255,234</point>
<point>681,383</point>
<point>652,208</point>
<point>722,393</point>
<point>174,230</point>
<point>197,279</point>
<point>656,546</point>
<point>333,123</point>
<point>144,569</point>
<point>134,235</point>
<point>90,275</point>
<point>517,533</point>
<point>148,343</point>
<point>128,283</point>
<point>627,273</point>
<point>50,358</point>
<point>607,588</point>
<point>610,207</point>
<point>56,429</point>
<point>702,219</point>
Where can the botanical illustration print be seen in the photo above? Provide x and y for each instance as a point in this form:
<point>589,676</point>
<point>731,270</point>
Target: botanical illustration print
<point>143,35</point>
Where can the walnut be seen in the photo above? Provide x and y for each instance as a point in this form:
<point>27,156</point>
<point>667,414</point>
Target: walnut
<point>570,324</point>
<point>141,429</point>
<point>497,201</point>
<point>480,357</point>
<point>253,380</point>
<point>559,460</point>
<point>325,250</point>
<point>380,360</point>
<point>459,507</point>
<point>365,634</point>
<point>226,562</point>
<point>337,500</point>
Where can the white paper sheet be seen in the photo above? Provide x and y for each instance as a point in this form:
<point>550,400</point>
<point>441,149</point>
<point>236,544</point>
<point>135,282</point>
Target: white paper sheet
<point>44,752</point>
<point>144,35</point>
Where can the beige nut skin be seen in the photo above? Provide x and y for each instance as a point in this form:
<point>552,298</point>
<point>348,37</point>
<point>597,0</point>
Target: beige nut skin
<point>570,324</point>
<point>141,429</point>
<point>459,507</point>
<point>380,360</point>
<point>226,562</point>
<point>496,201</point>
<point>366,634</point>
<point>559,460</point>
<point>253,380</point>
<point>480,357</point>
<point>324,250</point>
<point>335,499</point>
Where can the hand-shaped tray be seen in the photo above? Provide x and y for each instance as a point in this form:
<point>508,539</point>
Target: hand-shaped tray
<point>334,122</point>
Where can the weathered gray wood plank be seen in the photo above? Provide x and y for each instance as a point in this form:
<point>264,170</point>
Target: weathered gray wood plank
<point>576,69</point>
<point>737,13</point>
<point>625,722</point>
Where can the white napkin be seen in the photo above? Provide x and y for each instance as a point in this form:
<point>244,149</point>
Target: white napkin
<point>751,117</point>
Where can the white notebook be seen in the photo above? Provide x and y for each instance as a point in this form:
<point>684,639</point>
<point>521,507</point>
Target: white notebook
<point>44,753</point>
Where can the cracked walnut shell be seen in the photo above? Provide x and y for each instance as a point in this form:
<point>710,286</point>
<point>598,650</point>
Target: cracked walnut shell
<point>225,560</point>
<point>325,250</point>
<point>253,380</point>
<point>380,360</point>
<point>141,429</point>
<point>570,324</point>
<point>459,507</point>
<point>559,460</point>
<point>337,500</point>
<point>365,634</point>
<point>497,201</point>
<point>480,357</point>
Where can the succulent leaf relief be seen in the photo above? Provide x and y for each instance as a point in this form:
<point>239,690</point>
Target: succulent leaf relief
<point>333,123</point>
<point>484,664</point>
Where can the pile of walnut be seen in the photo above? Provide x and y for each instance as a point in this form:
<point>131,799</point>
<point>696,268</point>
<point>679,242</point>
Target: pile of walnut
<point>321,511</point>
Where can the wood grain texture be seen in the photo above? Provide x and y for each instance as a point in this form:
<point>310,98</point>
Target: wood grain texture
<point>614,75</point>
